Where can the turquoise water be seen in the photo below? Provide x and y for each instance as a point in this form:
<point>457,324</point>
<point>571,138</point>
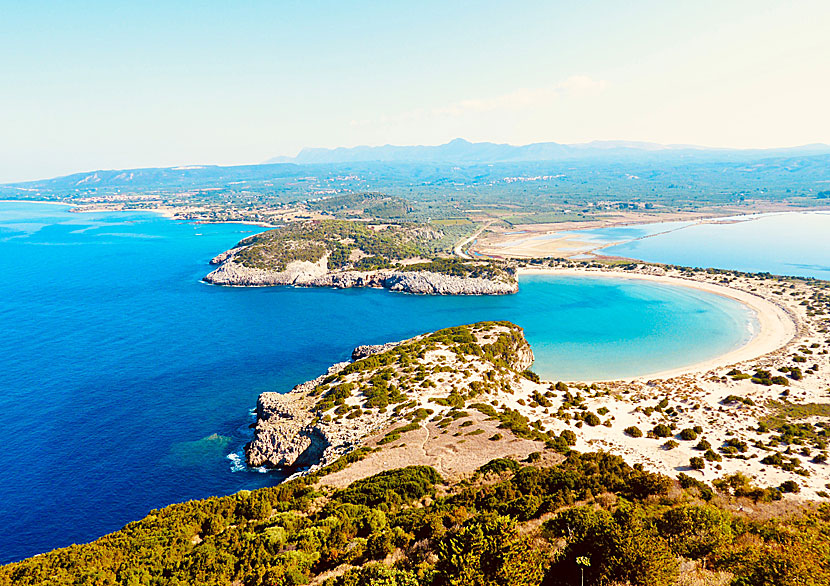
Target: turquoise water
<point>127,382</point>
<point>784,244</point>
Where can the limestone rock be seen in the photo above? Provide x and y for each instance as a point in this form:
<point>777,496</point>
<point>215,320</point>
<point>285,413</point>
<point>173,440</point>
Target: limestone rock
<point>368,350</point>
<point>296,273</point>
<point>308,274</point>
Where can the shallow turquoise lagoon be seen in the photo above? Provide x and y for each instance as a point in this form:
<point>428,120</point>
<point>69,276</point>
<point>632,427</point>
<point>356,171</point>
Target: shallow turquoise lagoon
<point>127,382</point>
<point>790,243</point>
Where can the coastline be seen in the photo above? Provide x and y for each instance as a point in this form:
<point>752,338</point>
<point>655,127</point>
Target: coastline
<point>538,241</point>
<point>171,213</point>
<point>723,411</point>
<point>38,201</point>
<point>776,328</point>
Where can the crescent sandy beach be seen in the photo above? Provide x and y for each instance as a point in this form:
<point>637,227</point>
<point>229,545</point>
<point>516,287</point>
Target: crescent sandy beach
<point>775,325</point>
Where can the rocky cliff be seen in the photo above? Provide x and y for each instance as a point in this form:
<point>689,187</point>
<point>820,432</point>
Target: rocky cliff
<point>320,420</point>
<point>232,272</point>
<point>308,274</point>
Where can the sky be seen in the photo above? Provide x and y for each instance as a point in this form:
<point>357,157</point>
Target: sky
<point>110,85</point>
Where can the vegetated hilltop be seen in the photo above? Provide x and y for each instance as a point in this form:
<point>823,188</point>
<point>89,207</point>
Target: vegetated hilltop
<point>343,253</point>
<point>422,384</point>
<point>367,205</point>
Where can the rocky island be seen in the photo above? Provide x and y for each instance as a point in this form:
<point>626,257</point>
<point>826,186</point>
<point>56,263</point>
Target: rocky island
<point>410,258</point>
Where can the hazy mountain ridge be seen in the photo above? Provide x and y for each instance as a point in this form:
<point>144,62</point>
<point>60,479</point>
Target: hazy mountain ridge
<point>609,166</point>
<point>463,151</point>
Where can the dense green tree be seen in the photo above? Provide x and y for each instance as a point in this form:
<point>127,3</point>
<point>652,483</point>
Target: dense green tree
<point>487,551</point>
<point>694,531</point>
<point>621,546</point>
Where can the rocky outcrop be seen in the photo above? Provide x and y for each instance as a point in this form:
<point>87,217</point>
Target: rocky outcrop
<point>523,358</point>
<point>220,258</point>
<point>427,283</point>
<point>307,274</point>
<point>285,435</point>
<point>307,428</point>
<point>370,349</point>
<point>237,275</point>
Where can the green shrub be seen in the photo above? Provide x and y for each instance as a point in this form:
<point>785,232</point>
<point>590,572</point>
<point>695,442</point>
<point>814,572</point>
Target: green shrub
<point>591,419</point>
<point>688,434</point>
<point>392,487</point>
<point>532,376</point>
<point>487,549</point>
<point>500,466</point>
<point>694,531</point>
<point>569,437</point>
<point>789,486</point>
<point>661,430</point>
<point>703,445</point>
<point>621,547</point>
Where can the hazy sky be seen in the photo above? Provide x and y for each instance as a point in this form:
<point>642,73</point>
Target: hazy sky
<point>97,85</point>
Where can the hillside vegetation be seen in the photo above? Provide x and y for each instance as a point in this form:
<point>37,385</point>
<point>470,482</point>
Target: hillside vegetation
<point>512,524</point>
<point>360,246</point>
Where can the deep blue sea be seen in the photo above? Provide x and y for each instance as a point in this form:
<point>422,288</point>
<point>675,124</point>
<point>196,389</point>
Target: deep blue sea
<point>125,382</point>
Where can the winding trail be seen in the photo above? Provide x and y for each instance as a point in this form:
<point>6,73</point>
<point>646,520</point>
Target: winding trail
<point>459,248</point>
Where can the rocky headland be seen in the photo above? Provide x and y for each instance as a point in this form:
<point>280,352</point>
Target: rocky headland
<point>343,255</point>
<point>459,397</point>
<point>307,274</point>
<point>318,421</point>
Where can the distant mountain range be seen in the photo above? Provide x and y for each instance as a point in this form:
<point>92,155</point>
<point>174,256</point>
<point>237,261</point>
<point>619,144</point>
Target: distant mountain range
<point>460,162</point>
<point>460,151</point>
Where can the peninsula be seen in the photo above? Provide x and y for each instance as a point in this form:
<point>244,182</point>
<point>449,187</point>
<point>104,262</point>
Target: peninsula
<point>410,258</point>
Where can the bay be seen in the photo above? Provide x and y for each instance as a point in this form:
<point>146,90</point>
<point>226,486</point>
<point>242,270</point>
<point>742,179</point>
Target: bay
<point>127,382</point>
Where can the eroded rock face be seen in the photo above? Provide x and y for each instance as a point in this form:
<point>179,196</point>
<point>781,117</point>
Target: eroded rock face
<point>296,273</point>
<point>524,358</point>
<point>284,436</point>
<point>368,350</point>
<point>307,274</point>
<point>427,283</point>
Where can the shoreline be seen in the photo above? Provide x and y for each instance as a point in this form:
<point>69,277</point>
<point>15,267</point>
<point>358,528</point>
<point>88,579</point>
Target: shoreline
<point>170,214</point>
<point>776,328</point>
<point>38,201</point>
<point>166,212</point>
<point>536,240</point>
